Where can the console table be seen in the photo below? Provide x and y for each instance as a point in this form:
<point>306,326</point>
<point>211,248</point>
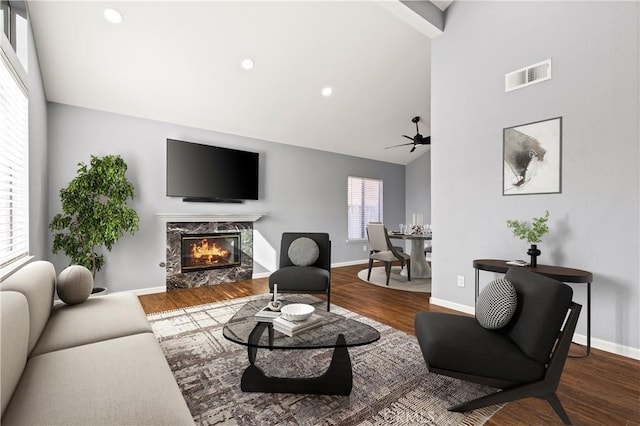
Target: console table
<point>567,275</point>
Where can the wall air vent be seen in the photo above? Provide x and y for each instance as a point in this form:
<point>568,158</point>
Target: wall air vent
<point>527,76</point>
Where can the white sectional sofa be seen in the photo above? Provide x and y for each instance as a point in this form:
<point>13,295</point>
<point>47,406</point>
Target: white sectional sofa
<point>94,363</point>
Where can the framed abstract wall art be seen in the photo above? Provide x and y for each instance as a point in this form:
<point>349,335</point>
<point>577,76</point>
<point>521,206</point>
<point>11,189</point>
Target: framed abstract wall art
<point>532,158</point>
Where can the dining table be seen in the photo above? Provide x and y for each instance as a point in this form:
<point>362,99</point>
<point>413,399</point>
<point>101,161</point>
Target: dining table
<point>419,266</point>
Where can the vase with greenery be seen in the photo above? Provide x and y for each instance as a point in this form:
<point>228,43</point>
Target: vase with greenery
<point>531,232</point>
<point>95,213</point>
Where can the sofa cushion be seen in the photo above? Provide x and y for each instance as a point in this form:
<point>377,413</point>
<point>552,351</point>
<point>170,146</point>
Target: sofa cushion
<point>303,251</point>
<point>122,381</point>
<point>496,304</point>
<point>14,329</point>
<point>99,318</point>
<point>74,285</point>
<point>37,281</point>
<point>459,343</point>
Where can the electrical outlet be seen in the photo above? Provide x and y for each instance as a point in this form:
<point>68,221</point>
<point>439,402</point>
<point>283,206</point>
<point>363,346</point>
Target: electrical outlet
<point>364,247</point>
<point>460,281</point>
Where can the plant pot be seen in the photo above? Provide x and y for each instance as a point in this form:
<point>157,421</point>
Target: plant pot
<point>98,291</point>
<point>534,253</point>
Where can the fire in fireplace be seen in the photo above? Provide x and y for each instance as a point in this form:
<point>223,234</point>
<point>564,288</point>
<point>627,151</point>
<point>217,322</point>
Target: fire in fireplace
<point>209,251</point>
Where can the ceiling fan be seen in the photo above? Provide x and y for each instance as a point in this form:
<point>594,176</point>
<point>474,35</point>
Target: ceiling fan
<point>418,139</point>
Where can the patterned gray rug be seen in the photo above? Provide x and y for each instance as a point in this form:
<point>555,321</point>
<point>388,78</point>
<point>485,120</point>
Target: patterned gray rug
<point>391,385</point>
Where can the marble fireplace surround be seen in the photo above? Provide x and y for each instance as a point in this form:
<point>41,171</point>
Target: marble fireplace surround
<point>186,223</point>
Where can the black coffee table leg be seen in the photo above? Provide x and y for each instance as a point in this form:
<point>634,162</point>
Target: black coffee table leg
<point>337,380</point>
<point>254,338</point>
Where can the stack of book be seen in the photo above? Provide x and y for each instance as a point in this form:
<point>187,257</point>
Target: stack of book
<point>266,314</point>
<point>292,328</point>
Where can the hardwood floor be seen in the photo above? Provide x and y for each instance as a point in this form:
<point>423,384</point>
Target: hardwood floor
<point>603,389</point>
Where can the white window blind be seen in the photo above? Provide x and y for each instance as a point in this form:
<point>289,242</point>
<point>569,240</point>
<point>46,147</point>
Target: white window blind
<point>364,205</point>
<point>14,142</point>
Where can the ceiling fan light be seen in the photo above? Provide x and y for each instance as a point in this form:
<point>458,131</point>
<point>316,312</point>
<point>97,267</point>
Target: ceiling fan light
<point>418,139</point>
<point>112,15</point>
<point>247,64</point>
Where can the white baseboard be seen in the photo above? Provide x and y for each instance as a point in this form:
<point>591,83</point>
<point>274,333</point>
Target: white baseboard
<point>350,263</point>
<point>452,305</point>
<point>580,339</point>
<point>261,275</point>
<point>148,290</point>
<point>607,346</point>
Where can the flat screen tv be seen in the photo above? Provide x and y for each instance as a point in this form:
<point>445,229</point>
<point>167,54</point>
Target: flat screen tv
<point>208,173</point>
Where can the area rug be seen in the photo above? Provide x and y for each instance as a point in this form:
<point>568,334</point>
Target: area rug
<point>396,281</point>
<point>391,385</point>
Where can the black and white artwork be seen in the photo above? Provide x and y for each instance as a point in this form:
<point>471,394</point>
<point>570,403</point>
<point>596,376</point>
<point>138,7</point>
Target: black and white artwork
<point>532,158</point>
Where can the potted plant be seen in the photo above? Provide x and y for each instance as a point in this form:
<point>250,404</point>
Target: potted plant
<point>531,232</point>
<point>95,213</point>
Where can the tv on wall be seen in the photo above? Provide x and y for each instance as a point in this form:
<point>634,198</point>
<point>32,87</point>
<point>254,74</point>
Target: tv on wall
<point>208,173</point>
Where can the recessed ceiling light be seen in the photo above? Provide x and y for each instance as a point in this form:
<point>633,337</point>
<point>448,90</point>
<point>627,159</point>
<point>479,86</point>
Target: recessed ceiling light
<point>247,64</point>
<point>327,91</point>
<point>112,16</point>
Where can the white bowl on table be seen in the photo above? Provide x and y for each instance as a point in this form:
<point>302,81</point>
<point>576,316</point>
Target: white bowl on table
<point>297,311</point>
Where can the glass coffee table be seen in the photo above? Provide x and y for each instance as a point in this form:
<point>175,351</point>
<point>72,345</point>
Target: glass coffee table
<point>336,331</point>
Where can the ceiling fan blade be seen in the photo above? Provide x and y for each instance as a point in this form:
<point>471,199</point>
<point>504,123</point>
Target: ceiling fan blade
<point>407,137</point>
<point>402,144</point>
<point>412,149</point>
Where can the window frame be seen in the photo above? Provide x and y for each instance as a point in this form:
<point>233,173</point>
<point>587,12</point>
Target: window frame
<point>10,60</point>
<point>14,9</point>
<point>364,218</point>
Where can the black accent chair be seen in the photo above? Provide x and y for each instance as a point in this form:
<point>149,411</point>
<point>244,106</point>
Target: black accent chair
<point>523,359</point>
<point>315,278</point>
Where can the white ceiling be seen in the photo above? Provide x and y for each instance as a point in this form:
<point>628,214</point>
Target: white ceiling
<point>179,62</point>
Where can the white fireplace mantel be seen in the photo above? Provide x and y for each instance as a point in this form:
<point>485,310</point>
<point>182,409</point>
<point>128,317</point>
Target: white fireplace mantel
<point>210,217</point>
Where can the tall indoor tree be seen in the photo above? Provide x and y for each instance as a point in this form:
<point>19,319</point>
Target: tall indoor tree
<point>95,213</point>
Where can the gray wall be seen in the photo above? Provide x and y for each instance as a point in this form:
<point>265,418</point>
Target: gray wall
<point>301,189</point>
<point>38,193</point>
<point>418,183</point>
<point>418,191</point>
<point>595,220</point>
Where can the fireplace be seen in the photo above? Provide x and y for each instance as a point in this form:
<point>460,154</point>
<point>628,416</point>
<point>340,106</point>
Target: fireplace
<point>201,252</point>
<point>239,263</point>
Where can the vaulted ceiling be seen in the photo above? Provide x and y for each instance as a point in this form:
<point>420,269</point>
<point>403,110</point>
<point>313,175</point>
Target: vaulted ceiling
<point>180,62</point>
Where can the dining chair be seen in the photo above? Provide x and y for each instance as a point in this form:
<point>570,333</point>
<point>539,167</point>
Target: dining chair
<point>397,248</point>
<point>382,250</point>
<point>428,251</point>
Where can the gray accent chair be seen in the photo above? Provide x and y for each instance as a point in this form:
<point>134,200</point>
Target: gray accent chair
<point>314,278</point>
<point>523,359</point>
<point>382,250</point>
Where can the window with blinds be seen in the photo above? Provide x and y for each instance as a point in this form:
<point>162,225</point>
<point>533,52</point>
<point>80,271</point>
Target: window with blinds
<point>364,205</point>
<point>14,143</point>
